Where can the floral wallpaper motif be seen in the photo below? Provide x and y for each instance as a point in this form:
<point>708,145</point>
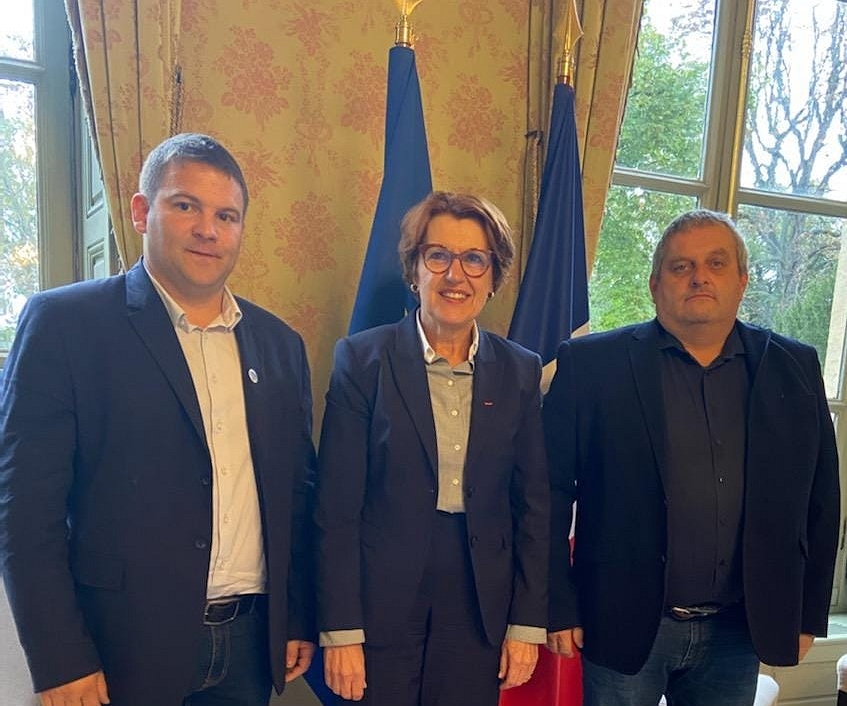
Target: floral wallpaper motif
<point>296,90</point>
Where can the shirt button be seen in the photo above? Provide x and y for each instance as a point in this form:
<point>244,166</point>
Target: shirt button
<point>454,412</point>
<point>455,481</point>
<point>219,426</point>
<point>450,383</point>
<point>226,519</point>
<point>224,470</point>
<point>720,480</point>
<point>457,447</point>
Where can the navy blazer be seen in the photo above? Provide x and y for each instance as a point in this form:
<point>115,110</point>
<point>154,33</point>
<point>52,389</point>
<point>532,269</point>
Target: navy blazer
<point>604,428</point>
<point>105,487</point>
<point>377,484</point>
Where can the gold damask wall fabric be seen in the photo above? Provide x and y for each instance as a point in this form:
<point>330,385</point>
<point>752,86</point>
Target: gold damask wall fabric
<point>296,90</point>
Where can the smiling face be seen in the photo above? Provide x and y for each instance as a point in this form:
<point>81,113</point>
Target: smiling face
<point>451,301</point>
<point>192,231</point>
<point>699,284</point>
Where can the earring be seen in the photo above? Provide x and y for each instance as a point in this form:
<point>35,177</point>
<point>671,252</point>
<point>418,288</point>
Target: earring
<point>414,287</point>
<point>490,295</point>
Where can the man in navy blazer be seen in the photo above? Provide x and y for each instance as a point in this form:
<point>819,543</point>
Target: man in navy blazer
<point>156,466</point>
<point>701,455</point>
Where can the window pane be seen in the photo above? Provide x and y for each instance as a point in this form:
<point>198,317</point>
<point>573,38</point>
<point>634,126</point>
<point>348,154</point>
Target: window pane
<point>665,115</point>
<point>632,224</point>
<point>17,31</point>
<point>795,262</point>
<point>18,212</point>
<point>796,111</point>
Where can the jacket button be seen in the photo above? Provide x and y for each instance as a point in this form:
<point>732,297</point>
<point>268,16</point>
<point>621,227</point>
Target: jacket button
<point>469,492</point>
<point>200,544</point>
<point>474,540</point>
<point>204,481</point>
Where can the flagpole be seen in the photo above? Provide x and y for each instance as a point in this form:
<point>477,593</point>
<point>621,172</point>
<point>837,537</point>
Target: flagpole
<point>573,33</point>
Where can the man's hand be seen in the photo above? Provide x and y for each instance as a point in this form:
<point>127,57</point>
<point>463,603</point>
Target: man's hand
<point>344,671</point>
<point>565,642</point>
<point>517,660</point>
<point>298,657</point>
<point>806,642</point>
<point>86,691</point>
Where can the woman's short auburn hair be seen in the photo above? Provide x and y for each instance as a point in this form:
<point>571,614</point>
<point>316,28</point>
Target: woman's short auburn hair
<point>490,218</point>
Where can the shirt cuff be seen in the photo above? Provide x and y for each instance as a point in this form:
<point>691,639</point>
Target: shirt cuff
<point>527,633</point>
<point>341,638</point>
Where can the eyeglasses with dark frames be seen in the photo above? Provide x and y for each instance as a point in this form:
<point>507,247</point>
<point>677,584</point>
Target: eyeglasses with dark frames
<point>438,259</point>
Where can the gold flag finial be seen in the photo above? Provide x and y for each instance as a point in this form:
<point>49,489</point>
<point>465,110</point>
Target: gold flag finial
<point>403,36</point>
<point>573,33</point>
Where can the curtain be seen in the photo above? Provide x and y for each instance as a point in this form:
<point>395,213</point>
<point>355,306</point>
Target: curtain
<point>126,53</point>
<point>603,73</point>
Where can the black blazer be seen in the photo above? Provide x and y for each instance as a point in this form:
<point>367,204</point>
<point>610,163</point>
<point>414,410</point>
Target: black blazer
<point>105,487</point>
<point>377,484</point>
<point>604,429</point>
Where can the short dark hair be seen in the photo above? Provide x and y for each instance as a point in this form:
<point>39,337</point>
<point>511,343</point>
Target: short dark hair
<point>694,219</point>
<point>486,214</point>
<point>188,147</point>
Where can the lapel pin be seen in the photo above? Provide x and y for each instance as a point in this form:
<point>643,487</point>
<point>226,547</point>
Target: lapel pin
<point>488,403</point>
<point>253,375</point>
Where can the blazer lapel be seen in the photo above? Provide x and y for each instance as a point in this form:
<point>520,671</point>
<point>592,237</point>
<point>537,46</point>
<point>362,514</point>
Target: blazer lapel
<point>755,342</point>
<point>487,387</point>
<point>148,316</point>
<point>648,385</point>
<point>409,372</point>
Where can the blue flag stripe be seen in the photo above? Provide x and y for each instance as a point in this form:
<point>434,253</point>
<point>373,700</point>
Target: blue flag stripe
<point>382,296</point>
<point>553,298</point>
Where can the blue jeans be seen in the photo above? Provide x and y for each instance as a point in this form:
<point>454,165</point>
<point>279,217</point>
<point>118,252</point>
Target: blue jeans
<point>234,664</point>
<point>700,662</point>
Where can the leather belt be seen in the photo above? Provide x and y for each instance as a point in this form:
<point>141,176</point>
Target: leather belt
<point>694,611</point>
<point>220,611</point>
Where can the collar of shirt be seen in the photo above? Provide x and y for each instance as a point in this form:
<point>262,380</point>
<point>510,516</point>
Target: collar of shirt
<point>429,354</point>
<point>228,318</point>
<point>732,346</point>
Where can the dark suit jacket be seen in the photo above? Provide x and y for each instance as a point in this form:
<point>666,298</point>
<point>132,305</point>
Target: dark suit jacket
<point>604,428</point>
<point>377,484</point>
<point>105,487</point>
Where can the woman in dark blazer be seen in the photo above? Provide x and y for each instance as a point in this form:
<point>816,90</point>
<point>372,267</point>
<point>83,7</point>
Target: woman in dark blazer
<point>433,501</point>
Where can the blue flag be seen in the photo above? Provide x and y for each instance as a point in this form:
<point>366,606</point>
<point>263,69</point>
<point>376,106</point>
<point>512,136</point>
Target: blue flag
<point>406,179</point>
<point>553,298</point>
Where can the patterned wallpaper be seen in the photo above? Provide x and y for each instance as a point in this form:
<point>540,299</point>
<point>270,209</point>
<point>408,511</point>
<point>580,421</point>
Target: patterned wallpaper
<point>296,89</point>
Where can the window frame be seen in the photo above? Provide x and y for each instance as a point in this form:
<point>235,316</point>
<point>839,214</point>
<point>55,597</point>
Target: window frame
<point>52,75</point>
<point>720,189</point>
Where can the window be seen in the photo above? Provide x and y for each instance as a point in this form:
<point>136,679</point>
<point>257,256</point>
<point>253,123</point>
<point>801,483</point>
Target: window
<point>765,144</point>
<point>37,129</point>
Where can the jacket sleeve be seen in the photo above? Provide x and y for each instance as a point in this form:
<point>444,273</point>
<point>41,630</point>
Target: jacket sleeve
<point>301,576</point>
<point>530,500</point>
<point>342,475</point>
<point>38,428</point>
<point>822,519</point>
<point>559,418</point>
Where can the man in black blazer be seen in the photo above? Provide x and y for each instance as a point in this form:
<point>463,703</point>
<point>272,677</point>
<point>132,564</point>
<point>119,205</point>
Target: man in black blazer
<point>156,464</point>
<point>701,455</point>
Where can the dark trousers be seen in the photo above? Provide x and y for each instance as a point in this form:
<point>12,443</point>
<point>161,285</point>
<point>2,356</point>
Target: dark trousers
<point>443,657</point>
<point>699,662</point>
<point>233,666</point>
